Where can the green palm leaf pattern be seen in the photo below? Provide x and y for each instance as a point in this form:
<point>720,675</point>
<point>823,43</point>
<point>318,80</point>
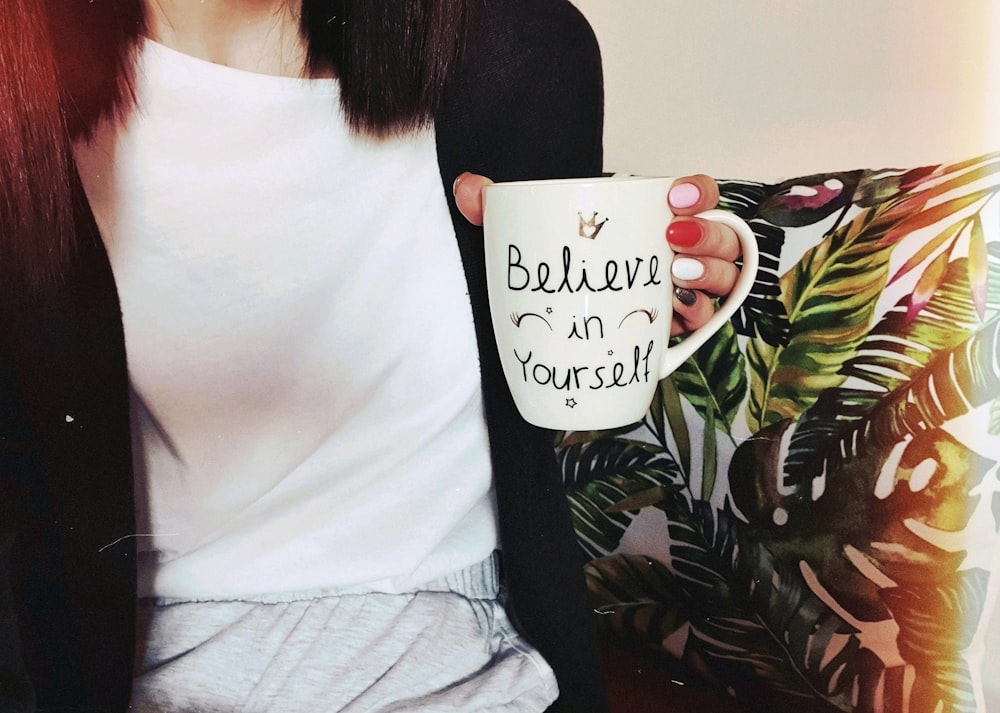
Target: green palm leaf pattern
<point>836,560</point>
<point>606,474</point>
<point>667,411</point>
<point>934,623</point>
<point>898,346</point>
<point>844,442</point>
<point>636,598</point>
<point>761,314</point>
<point>829,311</point>
<point>643,601</point>
<point>714,380</point>
<point>830,295</point>
<point>712,597</point>
<point>954,382</point>
<point>819,645</point>
<point>928,356</point>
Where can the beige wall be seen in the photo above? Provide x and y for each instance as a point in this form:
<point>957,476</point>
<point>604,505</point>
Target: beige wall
<point>774,88</point>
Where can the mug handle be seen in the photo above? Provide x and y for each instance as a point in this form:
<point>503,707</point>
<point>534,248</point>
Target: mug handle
<point>674,355</point>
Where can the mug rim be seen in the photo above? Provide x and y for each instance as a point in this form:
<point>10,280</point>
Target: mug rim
<point>594,180</point>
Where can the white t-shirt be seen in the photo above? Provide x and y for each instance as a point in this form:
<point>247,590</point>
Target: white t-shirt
<point>306,404</point>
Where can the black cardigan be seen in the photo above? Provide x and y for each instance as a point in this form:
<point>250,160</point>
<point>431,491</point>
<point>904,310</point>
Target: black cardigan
<point>526,102</point>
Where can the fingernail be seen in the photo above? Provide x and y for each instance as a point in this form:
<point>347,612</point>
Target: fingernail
<point>686,296</point>
<point>455,184</point>
<point>685,268</point>
<point>685,233</point>
<point>684,195</point>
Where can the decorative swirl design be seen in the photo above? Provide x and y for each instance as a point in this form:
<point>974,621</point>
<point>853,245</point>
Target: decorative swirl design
<point>652,314</point>
<point>518,318</point>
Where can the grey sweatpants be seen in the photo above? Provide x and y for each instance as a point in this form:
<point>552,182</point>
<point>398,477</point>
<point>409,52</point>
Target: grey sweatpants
<point>447,648</point>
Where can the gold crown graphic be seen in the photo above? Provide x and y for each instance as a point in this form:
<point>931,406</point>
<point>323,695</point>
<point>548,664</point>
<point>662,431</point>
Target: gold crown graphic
<point>589,228</point>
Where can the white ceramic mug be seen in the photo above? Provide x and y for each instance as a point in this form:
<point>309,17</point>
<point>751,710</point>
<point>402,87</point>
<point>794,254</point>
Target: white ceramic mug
<point>580,292</point>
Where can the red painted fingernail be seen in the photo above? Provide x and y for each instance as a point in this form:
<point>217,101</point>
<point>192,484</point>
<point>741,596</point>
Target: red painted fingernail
<point>685,233</point>
<point>684,195</point>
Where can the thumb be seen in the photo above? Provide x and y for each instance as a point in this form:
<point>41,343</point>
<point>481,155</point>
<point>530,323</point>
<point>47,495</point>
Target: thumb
<point>468,190</point>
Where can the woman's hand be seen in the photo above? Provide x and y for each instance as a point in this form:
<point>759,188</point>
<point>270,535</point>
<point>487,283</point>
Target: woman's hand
<point>703,266</point>
<point>704,250</point>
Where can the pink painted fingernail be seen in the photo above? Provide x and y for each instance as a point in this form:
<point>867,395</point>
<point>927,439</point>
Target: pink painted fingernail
<point>684,195</point>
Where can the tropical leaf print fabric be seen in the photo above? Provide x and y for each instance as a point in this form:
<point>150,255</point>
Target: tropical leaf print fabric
<point>810,508</point>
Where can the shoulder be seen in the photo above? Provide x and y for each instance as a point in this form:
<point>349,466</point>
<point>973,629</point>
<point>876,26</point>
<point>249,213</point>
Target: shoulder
<point>527,100</point>
<point>545,38</point>
<point>537,26</point>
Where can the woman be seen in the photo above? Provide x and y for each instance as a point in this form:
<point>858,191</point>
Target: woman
<point>301,471</point>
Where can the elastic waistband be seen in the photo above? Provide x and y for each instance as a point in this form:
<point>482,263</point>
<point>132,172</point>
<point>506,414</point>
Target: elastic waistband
<point>478,581</point>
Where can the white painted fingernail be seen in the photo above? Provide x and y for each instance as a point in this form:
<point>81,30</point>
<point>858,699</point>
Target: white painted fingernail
<point>685,268</point>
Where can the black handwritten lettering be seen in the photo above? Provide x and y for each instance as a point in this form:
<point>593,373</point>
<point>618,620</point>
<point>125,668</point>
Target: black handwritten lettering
<point>574,377</point>
<point>638,360</point>
<point>630,275</point>
<point>645,360</point>
<point>524,364</point>
<point>654,268</point>
<point>514,262</point>
<point>575,276</point>
<point>610,276</point>
<point>574,332</point>
<point>543,279</point>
